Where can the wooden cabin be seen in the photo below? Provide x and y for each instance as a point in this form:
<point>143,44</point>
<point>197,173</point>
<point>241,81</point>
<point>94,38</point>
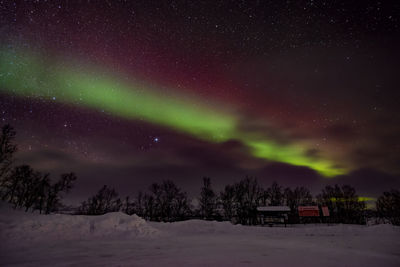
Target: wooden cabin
<point>270,215</point>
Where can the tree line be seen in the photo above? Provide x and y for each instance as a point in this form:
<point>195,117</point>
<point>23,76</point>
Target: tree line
<point>163,202</point>
<point>238,202</point>
<point>28,189</point>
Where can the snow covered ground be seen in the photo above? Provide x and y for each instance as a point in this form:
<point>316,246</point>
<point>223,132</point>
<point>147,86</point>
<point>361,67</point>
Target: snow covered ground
<point>117,239</point>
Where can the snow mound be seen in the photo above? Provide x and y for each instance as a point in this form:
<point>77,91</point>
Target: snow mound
<point>121,224</point>
<point>19,226</point>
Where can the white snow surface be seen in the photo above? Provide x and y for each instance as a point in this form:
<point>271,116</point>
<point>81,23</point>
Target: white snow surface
<point>116,239</point>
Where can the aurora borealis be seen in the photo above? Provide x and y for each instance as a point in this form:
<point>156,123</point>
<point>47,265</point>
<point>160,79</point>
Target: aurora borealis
<point>136,101</point>
<point>131,92</point>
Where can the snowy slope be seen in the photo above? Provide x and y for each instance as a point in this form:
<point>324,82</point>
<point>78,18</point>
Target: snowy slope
<point>117,239</point>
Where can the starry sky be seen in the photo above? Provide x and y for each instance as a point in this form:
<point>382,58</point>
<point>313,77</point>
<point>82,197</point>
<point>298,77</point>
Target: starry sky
<point>127,93</point>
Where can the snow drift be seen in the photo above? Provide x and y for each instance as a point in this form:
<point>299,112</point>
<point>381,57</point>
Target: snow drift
<point>17,226</point>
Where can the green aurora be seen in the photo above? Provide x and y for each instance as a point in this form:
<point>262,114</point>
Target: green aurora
<point>28,74</point>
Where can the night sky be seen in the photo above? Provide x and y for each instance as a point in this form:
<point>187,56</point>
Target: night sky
<point>127,93</point>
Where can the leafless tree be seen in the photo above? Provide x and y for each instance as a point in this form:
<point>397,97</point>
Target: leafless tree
<point>343,203</point>
<point>388,206</point>
<point>207,200</point>
<point>7,150</point>
<point>106,200</point>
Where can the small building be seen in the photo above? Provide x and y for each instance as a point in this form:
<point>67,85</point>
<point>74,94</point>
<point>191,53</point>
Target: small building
<point>313,213</point>
<point>308,211</point>
<point>271,215</point>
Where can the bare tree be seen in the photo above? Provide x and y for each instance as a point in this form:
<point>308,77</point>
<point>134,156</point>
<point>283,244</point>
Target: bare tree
<point>17,185</point>
<point>241,200</point>
<point>139,204</point>
<point>31,192</point>
<point>166,202</point>
<point>275,195</point>
<point>42,192</point>
<point>227,198</point>
<point>181,206</point>
<point>53,194</point>
<point>106,200</point>
<point>207,200</point>
<point>343,203</point>
<point>150,209</point>
<point>388,206</point>
<point>247,196</point>
<point>7,150</point>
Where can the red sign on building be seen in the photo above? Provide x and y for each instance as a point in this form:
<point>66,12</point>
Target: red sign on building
<point>308,211</point>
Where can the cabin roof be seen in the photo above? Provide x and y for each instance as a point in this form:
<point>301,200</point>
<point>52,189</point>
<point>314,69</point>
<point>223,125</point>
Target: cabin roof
<point>273,208</point>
